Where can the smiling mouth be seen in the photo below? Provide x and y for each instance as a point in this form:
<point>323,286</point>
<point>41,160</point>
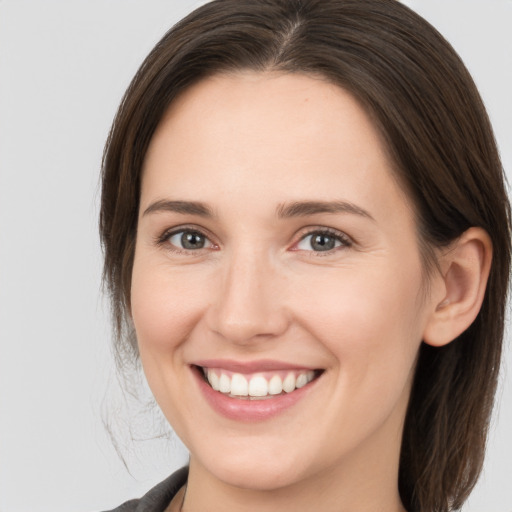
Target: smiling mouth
<point>257,386</point>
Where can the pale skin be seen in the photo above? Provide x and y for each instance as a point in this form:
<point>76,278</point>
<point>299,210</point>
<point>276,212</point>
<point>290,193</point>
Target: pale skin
<point>247,146</point>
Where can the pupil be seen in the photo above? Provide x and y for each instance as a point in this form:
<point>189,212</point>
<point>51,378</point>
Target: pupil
<point>192,241</point>
<point>322,242</point>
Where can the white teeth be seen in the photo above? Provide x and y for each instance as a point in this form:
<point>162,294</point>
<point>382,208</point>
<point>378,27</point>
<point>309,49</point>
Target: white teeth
<point>213,379</point>
<point>275,386</point>
<point>237,384</point>
<point>258,386</point>
<point>224,384</point>
<point>289,383</point>
<point>302,380</point>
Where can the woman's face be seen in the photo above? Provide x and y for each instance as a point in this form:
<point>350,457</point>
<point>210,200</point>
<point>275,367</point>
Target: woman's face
<point>274,247</point>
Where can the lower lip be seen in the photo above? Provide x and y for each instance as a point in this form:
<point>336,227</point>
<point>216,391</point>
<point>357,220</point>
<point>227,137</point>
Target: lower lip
<point>240,409</point>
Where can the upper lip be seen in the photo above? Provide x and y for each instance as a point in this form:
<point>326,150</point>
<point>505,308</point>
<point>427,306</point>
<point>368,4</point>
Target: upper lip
<point>262,365</point>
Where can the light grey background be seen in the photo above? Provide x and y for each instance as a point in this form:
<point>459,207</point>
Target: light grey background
<point>63,68</point>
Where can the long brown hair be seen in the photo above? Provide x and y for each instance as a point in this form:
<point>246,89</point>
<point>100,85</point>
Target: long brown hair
<point>427,108</point>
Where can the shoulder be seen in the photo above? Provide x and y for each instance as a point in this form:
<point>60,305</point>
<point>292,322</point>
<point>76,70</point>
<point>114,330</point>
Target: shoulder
<point>158,498</point>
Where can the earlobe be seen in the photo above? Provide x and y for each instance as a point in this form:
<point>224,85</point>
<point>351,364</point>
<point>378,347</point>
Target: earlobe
<point>465,270</point>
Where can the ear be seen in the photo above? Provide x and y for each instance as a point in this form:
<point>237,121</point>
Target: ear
<point>460,288</point>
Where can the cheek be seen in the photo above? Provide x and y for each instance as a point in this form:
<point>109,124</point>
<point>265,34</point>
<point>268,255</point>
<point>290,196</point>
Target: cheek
<point>165,305</point>
<point>370,321</point>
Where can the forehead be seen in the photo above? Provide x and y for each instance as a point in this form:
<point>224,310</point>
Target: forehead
<point>288,134</point>
<point>258,105</point>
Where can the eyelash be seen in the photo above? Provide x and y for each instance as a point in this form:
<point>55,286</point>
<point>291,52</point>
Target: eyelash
<point>342,238</point>
<point>338,236</point>
<point>164,239</point>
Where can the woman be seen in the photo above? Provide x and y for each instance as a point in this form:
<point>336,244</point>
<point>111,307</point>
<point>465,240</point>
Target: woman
<point>306,238</point>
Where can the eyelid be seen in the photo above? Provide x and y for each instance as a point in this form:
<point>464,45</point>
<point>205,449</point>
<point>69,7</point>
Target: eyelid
<point>163,239</point>
<point>346,241</point>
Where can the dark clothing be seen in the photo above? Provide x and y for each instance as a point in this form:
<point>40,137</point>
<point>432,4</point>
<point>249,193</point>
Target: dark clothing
<point>158,498</point>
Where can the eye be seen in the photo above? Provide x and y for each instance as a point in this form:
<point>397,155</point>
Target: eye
<point>188,240</point>
<point>322,241</point>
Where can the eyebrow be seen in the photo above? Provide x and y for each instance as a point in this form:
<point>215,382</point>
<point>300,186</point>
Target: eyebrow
<point>184,207</point>
<point>305,208</point>
<point>283,211</point>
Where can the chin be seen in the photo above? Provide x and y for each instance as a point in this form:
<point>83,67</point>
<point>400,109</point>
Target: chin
<point>257,471</point>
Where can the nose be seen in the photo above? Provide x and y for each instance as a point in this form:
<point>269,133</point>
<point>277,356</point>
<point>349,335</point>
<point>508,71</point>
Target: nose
<point>249,304</point>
